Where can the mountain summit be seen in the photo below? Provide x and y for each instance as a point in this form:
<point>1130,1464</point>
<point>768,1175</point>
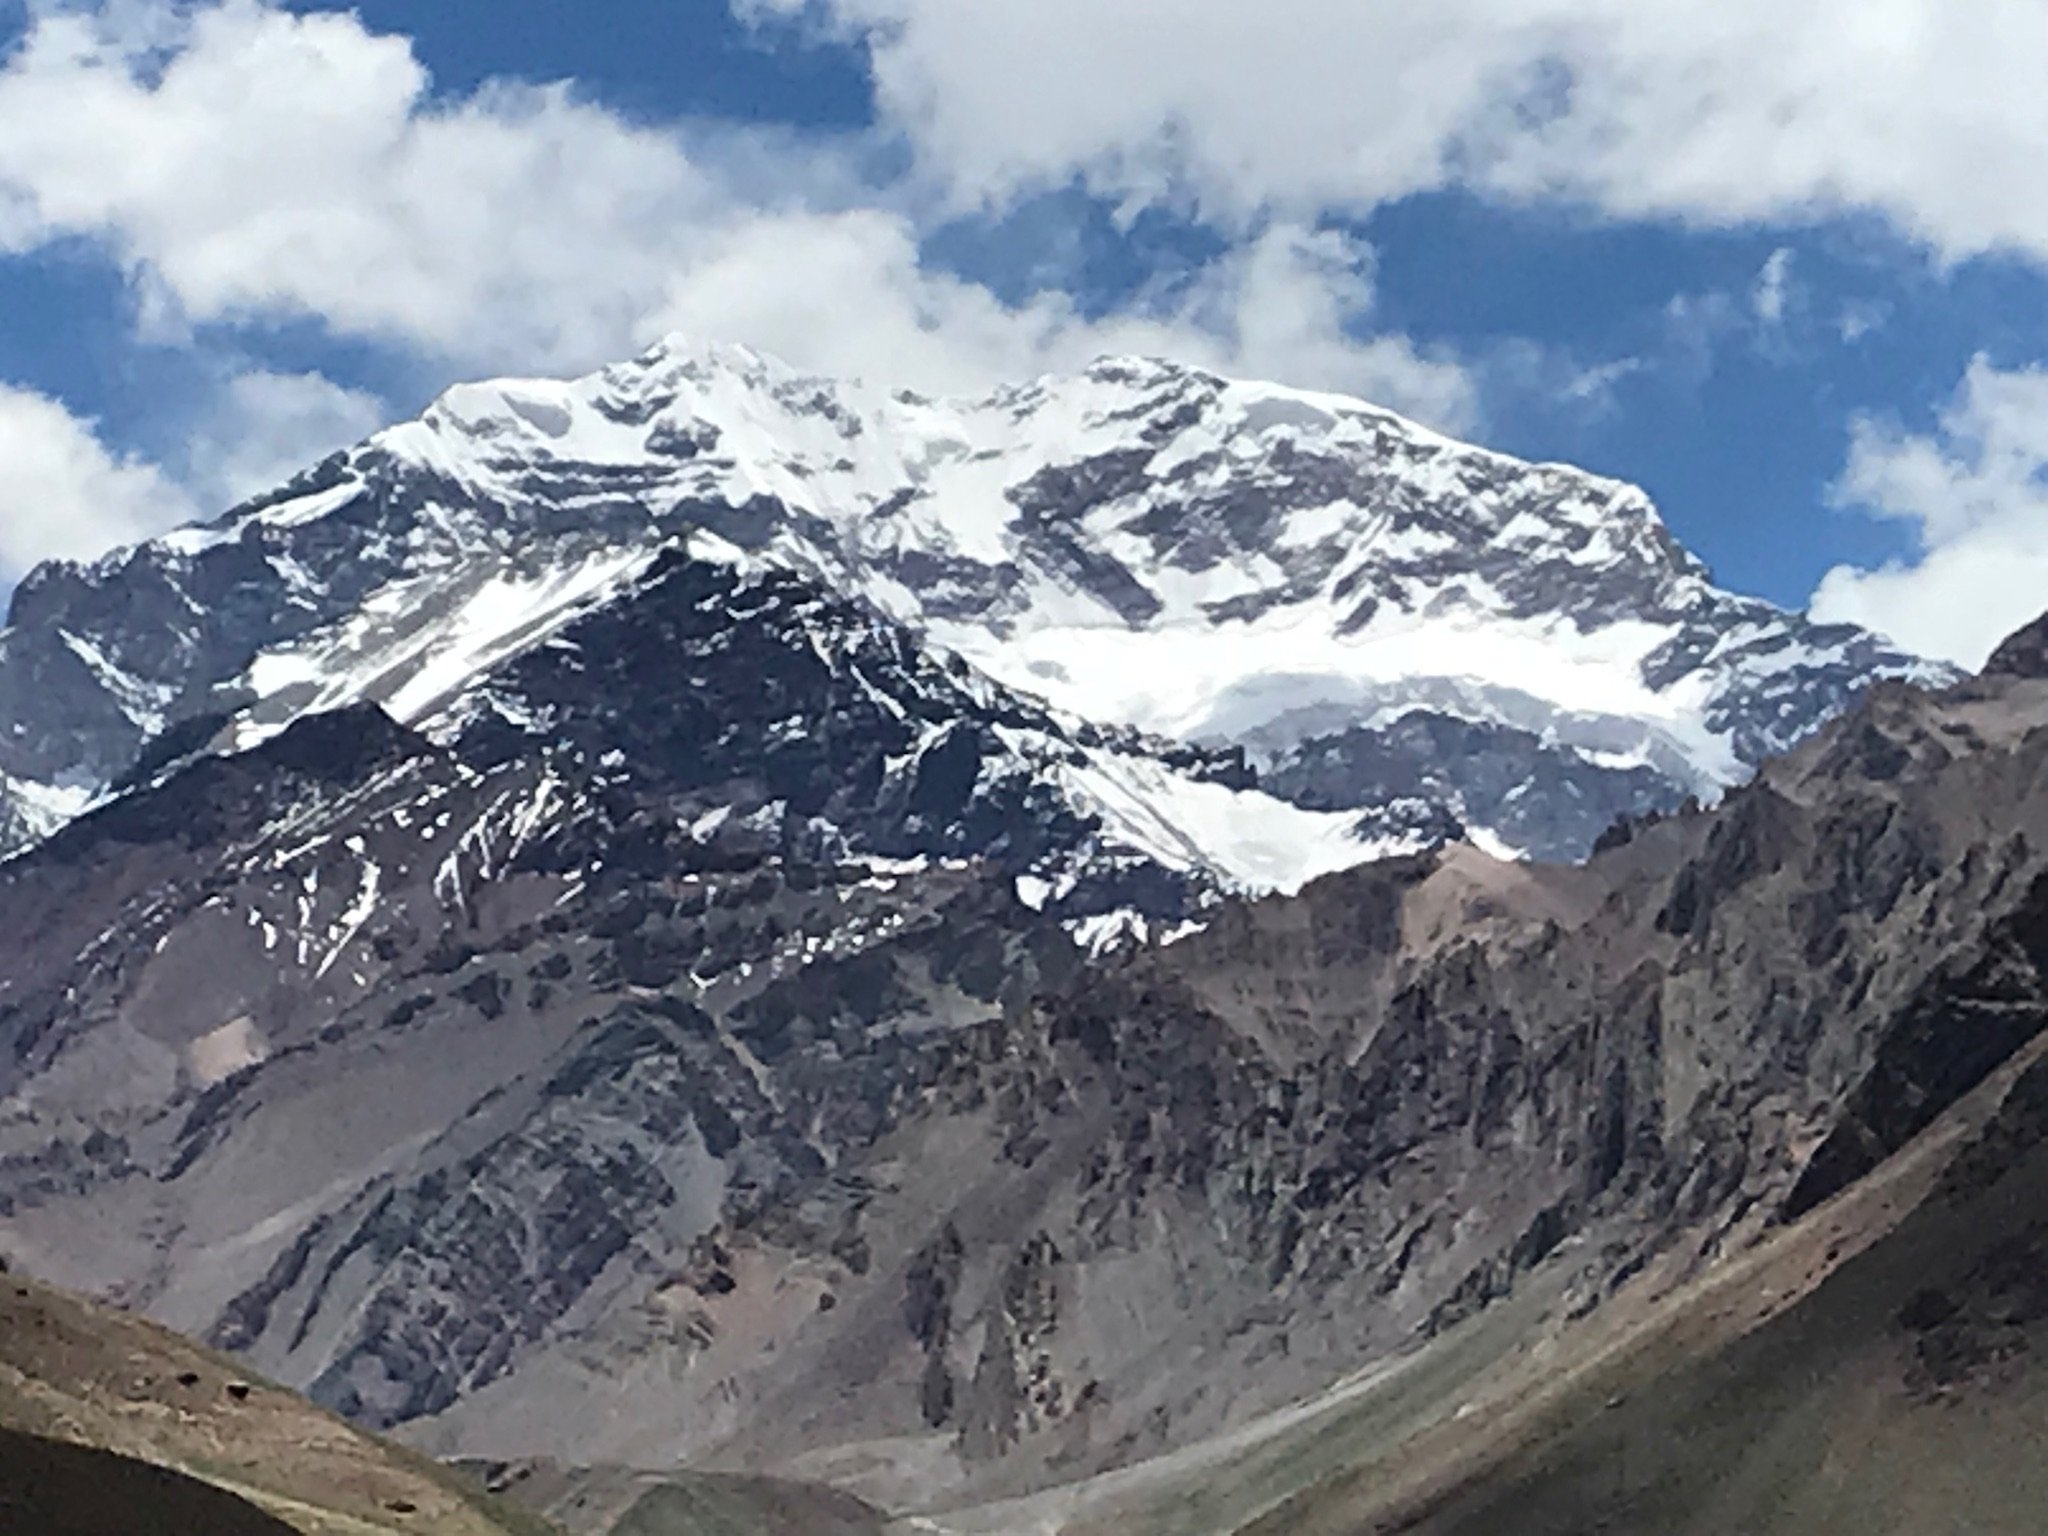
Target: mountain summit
<point>1380,619</point>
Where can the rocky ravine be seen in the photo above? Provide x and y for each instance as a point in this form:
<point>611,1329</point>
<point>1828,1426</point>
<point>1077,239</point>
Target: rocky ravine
<point>527,1089</point>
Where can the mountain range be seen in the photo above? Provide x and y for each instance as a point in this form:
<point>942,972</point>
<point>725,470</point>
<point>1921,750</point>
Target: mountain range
<point>1108,957</point>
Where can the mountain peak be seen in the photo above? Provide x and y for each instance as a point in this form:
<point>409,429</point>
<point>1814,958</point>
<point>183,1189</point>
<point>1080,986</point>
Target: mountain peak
<point>691,352</point>
<point>1143,367</point>
<point>1145,545</point>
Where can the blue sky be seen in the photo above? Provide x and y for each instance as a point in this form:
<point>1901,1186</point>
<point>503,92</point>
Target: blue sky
<point>1768,268</point>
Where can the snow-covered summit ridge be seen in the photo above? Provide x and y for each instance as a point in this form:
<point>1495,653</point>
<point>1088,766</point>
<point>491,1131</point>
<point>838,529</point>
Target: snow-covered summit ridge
<point>1141,544</point>
<point>1203,557</point>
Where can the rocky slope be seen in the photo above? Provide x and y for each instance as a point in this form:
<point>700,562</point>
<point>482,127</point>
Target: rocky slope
<point>549,1084</point>
<point>1875,1368</point>
<point>1327,1127</point>
<point>1333,589</point>
<point>1869,1365</point>
<point>1893,1399</point>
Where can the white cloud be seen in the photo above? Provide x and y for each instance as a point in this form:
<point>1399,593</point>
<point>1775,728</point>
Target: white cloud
<point>1770,319</point>
<point>1595,387</point>
<point>249,164</point>
<point>269,165</point>
<point>1975,494</point>
<point>1550,384</point>
<point>1860,318</point>
<point>1773,292</point>
<point>1286,306</point>
<point>1302,105</point>
<point>848,296</point>
<point>63,494</point>
<point>1923,110</point>
<point>1696,326</point>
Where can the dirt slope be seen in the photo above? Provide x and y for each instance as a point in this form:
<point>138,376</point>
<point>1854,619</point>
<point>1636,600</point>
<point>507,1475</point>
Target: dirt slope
<point>622,1501</point>
<point>85,1375</point>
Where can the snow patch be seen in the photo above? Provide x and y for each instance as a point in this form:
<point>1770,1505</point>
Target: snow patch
<point>1251,839</point>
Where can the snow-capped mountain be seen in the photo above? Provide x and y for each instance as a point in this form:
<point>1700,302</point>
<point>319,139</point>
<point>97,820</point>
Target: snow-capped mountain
<point>577,953</point>
<point>1383,619</point>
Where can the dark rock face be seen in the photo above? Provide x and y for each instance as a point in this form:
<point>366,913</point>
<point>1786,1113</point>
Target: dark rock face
<point>1967,1021</point>
<point>756,692</point>
<point>1546,802</point>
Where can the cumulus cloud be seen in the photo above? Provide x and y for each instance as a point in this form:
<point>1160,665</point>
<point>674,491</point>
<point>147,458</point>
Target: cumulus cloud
<point>1306,105</point>
<point>64,494</point>
<point>850,297</point>
<point>1974,493</point>
<point>1922,110</point>
<point>248,164</point>
<point>1289,306</point>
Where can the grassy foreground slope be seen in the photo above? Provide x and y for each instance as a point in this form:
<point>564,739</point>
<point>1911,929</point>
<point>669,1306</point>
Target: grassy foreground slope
<point>83,1375</point>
